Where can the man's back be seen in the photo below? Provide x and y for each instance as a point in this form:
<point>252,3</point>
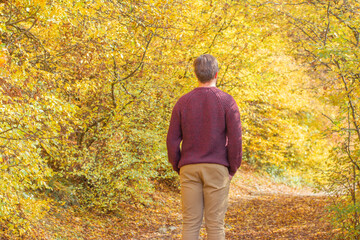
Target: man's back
<point>202,118</point>
<point>207,122</point>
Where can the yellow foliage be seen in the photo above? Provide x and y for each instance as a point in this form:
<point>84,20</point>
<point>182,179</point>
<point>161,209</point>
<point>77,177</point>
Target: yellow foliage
<point>90,86</point>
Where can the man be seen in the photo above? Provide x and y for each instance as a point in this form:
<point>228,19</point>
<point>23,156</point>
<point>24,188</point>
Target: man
<point>206,122</point>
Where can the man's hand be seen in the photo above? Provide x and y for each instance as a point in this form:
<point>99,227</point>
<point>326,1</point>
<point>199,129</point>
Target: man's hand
<point>230,177</point>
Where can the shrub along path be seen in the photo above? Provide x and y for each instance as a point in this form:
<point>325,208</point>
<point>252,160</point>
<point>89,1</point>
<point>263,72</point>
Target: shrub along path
<point>258,209</point>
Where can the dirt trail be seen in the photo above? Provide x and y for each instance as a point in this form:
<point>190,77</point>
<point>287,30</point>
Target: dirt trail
<point>278,217</point>
<point>258,209</point>
<point>261,209</point>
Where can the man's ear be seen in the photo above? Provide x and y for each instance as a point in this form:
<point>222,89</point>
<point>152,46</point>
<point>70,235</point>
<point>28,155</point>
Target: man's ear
<point>216,75</point>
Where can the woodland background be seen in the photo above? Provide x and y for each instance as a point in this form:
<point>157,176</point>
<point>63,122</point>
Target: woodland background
<point>87,88</point>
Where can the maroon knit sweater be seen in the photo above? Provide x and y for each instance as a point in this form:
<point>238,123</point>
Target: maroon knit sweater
<point>207,121</point>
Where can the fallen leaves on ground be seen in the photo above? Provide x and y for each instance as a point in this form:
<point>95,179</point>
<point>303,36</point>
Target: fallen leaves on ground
<point>258,209</point>
<point>278,217</point>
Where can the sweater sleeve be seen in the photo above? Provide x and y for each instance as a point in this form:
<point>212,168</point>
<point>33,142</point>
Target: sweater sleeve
<point>234,135</point>
<point>174,138</point>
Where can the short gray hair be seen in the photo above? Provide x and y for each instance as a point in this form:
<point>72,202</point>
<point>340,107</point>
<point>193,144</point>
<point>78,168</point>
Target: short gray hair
<point>205,67</point>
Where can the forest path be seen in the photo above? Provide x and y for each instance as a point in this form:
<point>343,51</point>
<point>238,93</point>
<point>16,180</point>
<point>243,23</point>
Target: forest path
<point>259,208</point>
<point>277,216</point>
<point>262,209</point>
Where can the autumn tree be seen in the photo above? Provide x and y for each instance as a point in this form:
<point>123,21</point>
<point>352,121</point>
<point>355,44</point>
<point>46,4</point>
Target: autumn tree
<point>87,88</point>
<point>326,34</point>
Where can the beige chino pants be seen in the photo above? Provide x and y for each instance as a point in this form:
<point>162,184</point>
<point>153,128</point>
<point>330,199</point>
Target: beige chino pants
<point>204,188</point>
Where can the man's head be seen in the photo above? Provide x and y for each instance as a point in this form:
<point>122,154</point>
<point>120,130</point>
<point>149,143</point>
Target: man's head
<point>206,68</point>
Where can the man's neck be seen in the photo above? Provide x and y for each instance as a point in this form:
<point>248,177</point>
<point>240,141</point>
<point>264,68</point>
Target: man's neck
<point>211,83</point>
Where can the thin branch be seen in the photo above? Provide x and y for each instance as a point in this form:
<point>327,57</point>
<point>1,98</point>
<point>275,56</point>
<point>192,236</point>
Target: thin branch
<point>328,24</point>
<point>353,29</point>
<point>140,64</point>
<point>7,130</point>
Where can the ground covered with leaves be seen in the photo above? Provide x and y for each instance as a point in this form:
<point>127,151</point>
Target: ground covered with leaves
<point>259,208</point>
